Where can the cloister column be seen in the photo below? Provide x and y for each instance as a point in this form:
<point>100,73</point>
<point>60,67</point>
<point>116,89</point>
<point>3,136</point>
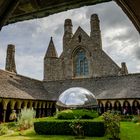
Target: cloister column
<point>35,107</point>
<point>13,104</point>
<point>43,109</point>
<point>121,102</point>
<point>131,105</point>
<point>112,103</point>
<point>18,103</point>
<point>48,109</point>
<point>104,102</point>
<point>39,109</point>
<point>5,102</point>
<point>1,111</point>
<point>31,105</point>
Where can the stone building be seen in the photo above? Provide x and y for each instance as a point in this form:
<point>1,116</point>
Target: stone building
<point>83,63</point>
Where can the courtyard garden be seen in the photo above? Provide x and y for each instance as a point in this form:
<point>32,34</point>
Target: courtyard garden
<point>68,124</point>
<point>129,131</point>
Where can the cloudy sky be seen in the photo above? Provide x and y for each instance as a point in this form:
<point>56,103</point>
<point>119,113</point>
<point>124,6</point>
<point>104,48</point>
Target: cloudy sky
<point>120,39</point>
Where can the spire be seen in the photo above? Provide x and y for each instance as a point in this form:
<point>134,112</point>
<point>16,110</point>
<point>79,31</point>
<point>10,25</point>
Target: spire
<point>10,59</point>
<point>51,51</point>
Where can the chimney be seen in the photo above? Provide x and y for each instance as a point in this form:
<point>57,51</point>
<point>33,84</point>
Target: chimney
<point>10,59</point>
<point>124,70</point>
<point>95,33</point>
<point>67,33</point>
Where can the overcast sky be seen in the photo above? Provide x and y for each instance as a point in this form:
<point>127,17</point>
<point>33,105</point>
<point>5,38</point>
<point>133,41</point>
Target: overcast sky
<point>120,39</point>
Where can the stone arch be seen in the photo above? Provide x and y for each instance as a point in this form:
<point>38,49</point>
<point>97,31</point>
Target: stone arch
<point>101,107</point>
<point>48,108</point>
<point>80,62</point>
<point>126,107</point>
<point>29,104</point>
<point>117,106</point>
<point>53,109</point>
<point>33,105</point>
<point>16,107</point>
<point>24,104</point>
<point>8,111</point>
<point>38,110</point>
<point>108,106</point>
<point>135,107</point>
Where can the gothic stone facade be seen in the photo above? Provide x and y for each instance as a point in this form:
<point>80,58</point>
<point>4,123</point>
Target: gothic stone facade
<point>83,63</point>
<point>82,55</point>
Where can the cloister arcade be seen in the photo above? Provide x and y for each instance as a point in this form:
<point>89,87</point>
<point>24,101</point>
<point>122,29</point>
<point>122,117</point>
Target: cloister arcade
<point>42,108</point>
<point>131,106</point>
<point>46,108</point>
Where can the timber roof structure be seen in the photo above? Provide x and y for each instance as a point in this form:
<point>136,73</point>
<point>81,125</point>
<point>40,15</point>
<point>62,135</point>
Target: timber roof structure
<point>19,10</point>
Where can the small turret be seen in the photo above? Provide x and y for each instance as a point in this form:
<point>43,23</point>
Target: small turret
<point>95,33</point>
<point>51,51</point>
<point>67,33</point>
<point>10,59</point>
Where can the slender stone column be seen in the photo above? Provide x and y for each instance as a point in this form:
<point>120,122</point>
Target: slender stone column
<point>4,115</point>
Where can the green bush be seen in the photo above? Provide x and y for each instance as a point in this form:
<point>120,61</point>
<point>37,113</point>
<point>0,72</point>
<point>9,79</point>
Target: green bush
<point>77,113</point>
<point>127,117</point>
<point>3,129</point>
<point>25,119</point>
<point>62,127</point>
<point>12,125</point>
<point>112,123</point>
<point>136,119</point>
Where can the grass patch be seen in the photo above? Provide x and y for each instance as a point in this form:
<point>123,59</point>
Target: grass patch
<point>129,131</point>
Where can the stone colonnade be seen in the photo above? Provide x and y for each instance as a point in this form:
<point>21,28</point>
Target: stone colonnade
<point>130,106</point>
<point>48,108</point>
<point>42,108</point>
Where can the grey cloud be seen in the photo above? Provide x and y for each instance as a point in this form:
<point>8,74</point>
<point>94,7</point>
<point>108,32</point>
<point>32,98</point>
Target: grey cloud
<point>137,52</point>
<point>59,30</point>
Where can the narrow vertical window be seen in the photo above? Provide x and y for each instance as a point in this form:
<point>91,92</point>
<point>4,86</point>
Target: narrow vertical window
<point>80,63</point>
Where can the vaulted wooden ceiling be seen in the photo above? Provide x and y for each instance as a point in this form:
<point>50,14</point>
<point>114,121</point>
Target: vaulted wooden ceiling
<point>12,11</point>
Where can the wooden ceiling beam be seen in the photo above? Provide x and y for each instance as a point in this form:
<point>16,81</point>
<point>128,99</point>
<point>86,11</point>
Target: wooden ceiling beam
<point>7,9</point>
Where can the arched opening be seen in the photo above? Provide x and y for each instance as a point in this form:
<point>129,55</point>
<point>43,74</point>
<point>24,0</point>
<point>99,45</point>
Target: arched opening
<point>1,112</point>
<point>80,63</point>
<point>22,105</point>
<point>28,104</point>
<point>108,106</point>
<point>136,108</point>
<point>17,109</point>
<point>126,108</point>
<point>8,111</point>
<point>53,110</point>
<point>117,106</point>
<point>38,110</point>
<point>33,105</point>
<point>101,108</point>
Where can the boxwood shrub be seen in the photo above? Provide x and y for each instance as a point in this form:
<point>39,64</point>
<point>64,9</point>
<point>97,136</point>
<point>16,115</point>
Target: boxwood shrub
<point>61,127</point>
<point>77,113</point>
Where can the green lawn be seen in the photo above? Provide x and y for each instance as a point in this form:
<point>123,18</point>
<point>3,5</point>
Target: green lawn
<point>129,131</point>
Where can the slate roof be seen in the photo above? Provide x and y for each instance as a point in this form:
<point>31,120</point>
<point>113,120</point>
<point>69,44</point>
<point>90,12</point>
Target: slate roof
<point>17,86</point>
<point>112,87</point>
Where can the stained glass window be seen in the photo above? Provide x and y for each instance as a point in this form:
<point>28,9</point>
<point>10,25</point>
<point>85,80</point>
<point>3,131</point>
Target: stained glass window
<point>80,63</point>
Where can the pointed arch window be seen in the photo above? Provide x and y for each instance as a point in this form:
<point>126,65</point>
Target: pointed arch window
<point>80,63</point>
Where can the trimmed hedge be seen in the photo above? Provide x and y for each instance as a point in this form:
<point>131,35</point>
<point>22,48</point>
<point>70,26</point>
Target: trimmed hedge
<point>61,127</point>
<point>77,113</point>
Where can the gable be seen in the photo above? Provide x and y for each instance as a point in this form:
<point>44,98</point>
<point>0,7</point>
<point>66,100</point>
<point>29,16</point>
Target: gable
<point>80,36</point>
